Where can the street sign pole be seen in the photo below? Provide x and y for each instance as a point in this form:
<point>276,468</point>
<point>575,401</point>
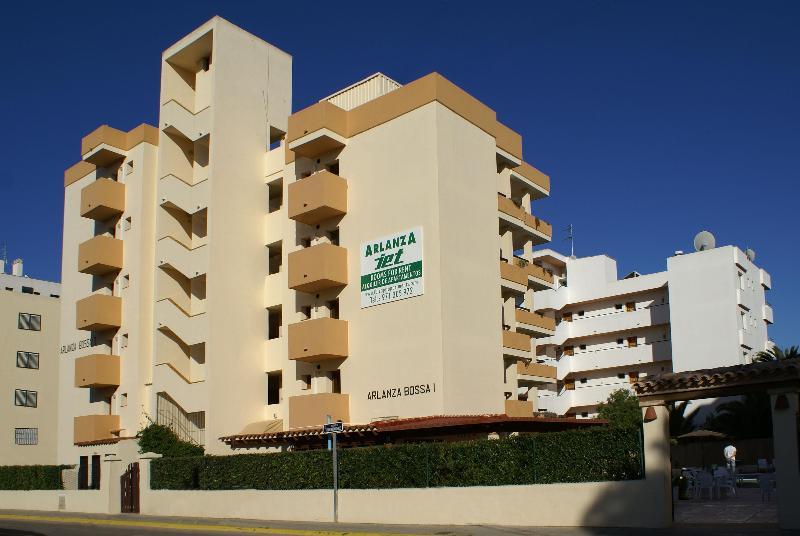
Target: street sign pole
<point>333,428</point>
<point>335,482</point>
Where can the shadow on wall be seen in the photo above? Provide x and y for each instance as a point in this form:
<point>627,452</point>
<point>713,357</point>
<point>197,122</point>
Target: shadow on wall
<point>630,505</point>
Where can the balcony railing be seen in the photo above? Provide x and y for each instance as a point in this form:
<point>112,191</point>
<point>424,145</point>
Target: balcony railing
<point>98,312</point>
<point>319,197</point>
<point>100,255</point>
<point>95,428</point>
<point>317,268</point>
<point>516,341</point>
<point>318,339</point>
<point>536,369</point>
<point>535,322</point>
<point>103,199</point>
<point>97,370</point>
<point>515,274</point>
<point>519,408</point>
<point>312,410</point>
<point>316,130</point>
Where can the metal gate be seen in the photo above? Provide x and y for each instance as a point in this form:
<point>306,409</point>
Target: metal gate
<point>129,487</point>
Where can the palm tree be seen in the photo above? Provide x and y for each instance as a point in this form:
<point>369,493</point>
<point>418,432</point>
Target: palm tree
<point>748,417</point>
<point>777,354</point>
<point>679,422</point>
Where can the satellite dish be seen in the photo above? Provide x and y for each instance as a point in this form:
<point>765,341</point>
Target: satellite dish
<point>703,241</point>
<point>750,254</point>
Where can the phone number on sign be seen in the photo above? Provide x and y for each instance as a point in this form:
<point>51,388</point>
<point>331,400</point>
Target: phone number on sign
<point>405,290</point>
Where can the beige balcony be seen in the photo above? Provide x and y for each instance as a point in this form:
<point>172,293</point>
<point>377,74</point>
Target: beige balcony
<point>519,408</point>
<point>542,230</point>
<point>312,410</point>
<point>316,198</point>
<point>535,323</point>
<point>316,130</point>
<point>536,182</point>
<point>104,145</point>
<point>95,428</point>
<point>100,255</point>
<point>318,268</point>
<point>536,369</point>
<point>510,273</point>
<point>516,341</point>
<point>541,278</point>
<point>318,339</point>
<point>103,199</point>
<point>98,312</point>
<point>97,370</point>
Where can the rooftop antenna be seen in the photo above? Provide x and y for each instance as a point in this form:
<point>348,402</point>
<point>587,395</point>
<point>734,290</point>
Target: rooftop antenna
<point>571,237</point>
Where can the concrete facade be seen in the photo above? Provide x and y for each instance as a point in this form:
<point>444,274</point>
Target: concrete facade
<point>29,316</point>
<point>708,309</point>
<point>214,263</point>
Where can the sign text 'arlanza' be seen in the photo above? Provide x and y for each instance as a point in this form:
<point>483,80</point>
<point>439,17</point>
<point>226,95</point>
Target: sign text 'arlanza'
<point>391,268</point>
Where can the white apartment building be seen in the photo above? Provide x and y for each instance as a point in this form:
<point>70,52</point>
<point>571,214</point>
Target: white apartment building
<point>708,309</point>
<point>29,324</point>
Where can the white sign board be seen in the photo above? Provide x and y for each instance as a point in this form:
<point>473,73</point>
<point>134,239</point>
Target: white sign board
<point>391,268</point>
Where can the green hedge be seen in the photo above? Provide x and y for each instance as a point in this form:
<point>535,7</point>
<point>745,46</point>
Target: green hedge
<point>573,456</point>
<point>162,440</point>
<point>29,477</point>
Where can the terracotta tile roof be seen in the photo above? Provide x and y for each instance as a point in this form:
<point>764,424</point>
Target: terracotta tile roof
<point>442,424</point>
<point>108,441</point>
<point>733,376</point>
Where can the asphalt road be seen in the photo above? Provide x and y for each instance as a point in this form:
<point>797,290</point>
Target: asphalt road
<point>48,524</point>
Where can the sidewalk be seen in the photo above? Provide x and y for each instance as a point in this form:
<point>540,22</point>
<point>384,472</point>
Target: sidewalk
<point>154,524</point>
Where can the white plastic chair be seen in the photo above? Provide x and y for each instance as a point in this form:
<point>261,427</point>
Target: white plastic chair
<point>705,481</point>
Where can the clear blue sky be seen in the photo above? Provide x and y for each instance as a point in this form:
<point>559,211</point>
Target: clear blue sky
<point>654,119</point>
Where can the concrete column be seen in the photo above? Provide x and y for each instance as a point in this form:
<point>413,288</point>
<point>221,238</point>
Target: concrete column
<point>526,202</point>
<point>787,469</point>
<point>145,495</point>
<point>507,246</point>
<point>657,468</point>
<point>109,481</point>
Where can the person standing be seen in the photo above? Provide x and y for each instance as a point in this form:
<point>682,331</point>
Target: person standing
<point>730,458</point>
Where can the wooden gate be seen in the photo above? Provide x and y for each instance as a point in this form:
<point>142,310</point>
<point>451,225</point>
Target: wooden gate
<point>129,487</point>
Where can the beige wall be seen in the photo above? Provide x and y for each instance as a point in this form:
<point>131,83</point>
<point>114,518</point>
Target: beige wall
<point>44,380</point>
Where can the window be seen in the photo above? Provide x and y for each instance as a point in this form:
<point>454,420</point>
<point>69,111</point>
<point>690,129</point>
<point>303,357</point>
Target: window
<point>580,313</point>
<point>26,436</point>
<point>274,384</point>
<point>275,254</point>
<point>274,196</point>
<point>336,381</point>
<point>620,341</point>
<point>25,398</point>
<point>27,360</point>
<point>29,321</point>
<point>27,290</point>
<point>584,414</point>
<point>632,342</point>
<point>584,380</point>
<point>569,350</point>
<point>618,306</point>
<point>582,347</point>
<point>621,375</point>
<point>333,308</point>
<point>630,306</point>
<point>274,322</point>
<point>567,317</point>
<point>334,237</point>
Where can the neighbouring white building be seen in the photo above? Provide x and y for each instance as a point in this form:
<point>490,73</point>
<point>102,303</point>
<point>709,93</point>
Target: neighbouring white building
<point>708,309</point>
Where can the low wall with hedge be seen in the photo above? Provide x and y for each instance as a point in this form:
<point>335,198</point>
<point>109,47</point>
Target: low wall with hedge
<point>575,456</point>
<point>31,477</point>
